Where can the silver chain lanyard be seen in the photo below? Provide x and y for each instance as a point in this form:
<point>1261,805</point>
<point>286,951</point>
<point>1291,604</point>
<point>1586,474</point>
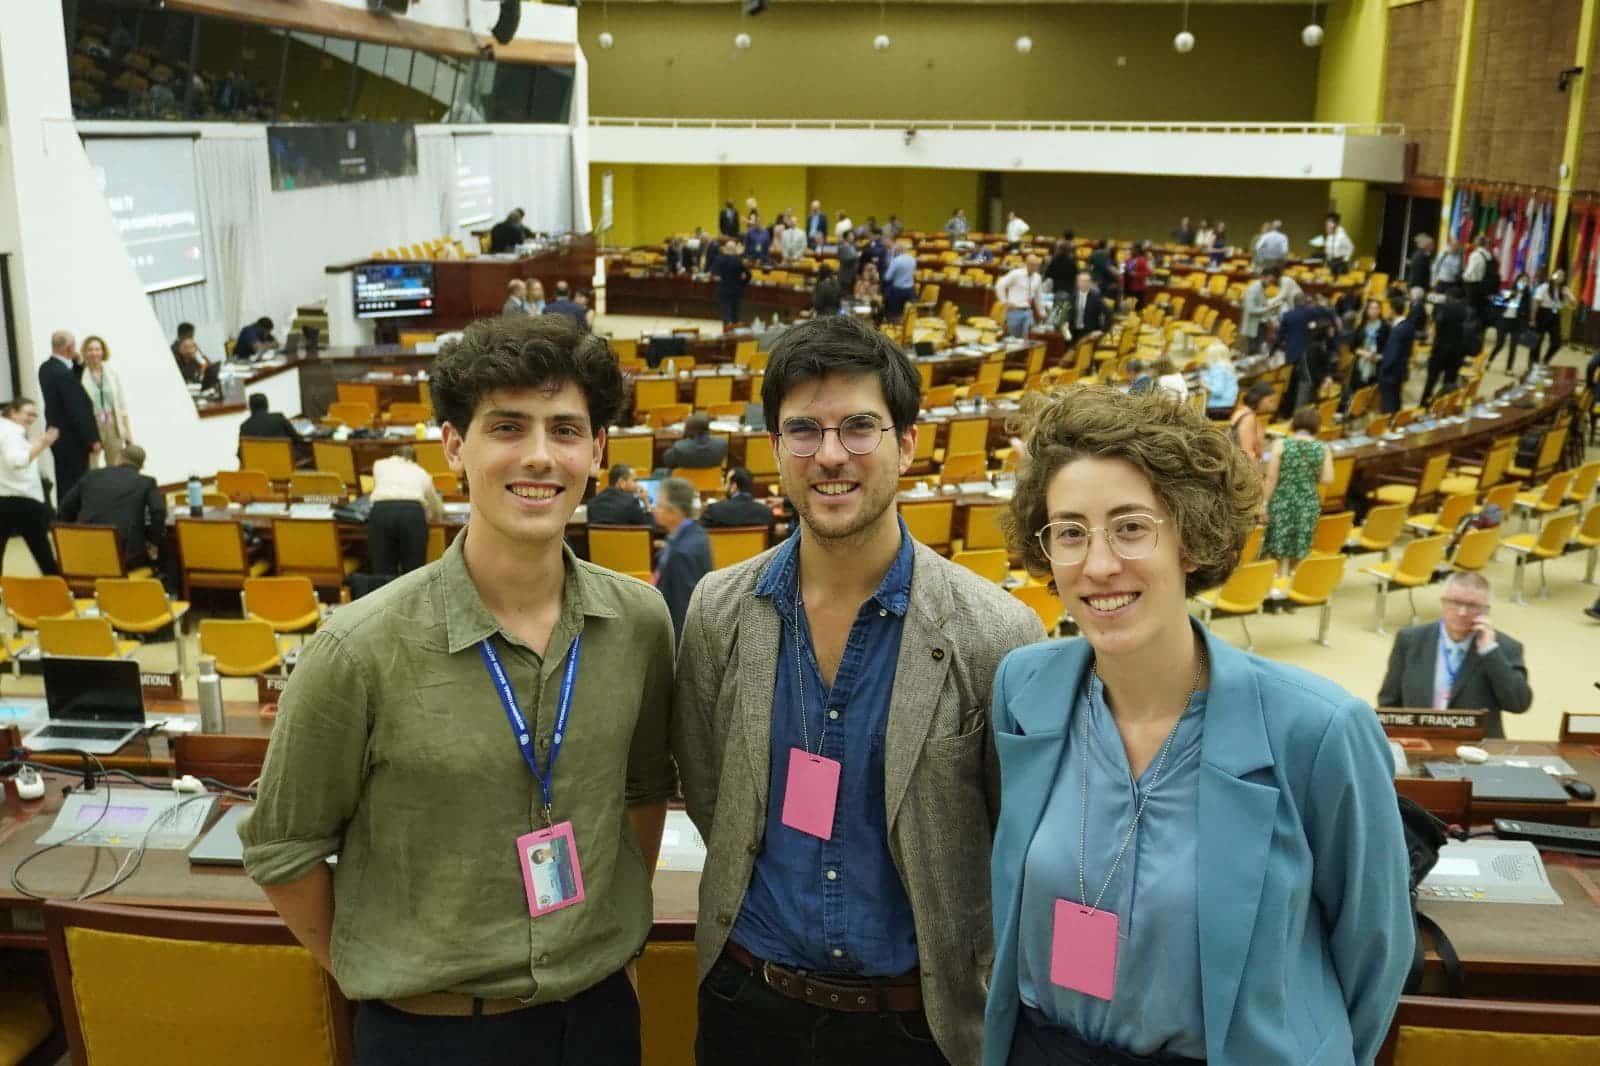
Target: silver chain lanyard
<point>800,678</point>
<point>1144,798</point>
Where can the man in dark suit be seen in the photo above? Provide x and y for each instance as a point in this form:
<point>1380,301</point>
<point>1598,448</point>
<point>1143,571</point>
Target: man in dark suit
<point>741,508</point>
<point>1086,309</point>
<point>1419,268</point>
<point>732,276</point>
<point>121,496</point>
<point>1394,365</point>
<point>505,236</point>
<point>564,304</point>
<point>68,409</point>
<point>686,556</point>
<point>1452,341</point>
<point>255,339</point>
<point>728,220</point>
<point>621,503</point>
<point>1459,661</point>
<point>264,422</point>
<point>699,447</point>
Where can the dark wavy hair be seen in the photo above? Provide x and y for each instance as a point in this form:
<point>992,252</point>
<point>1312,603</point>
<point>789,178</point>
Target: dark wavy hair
<point>1205,482</point>
<point>525,352</point>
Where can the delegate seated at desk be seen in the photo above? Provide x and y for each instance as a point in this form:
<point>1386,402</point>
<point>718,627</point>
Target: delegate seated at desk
<point>123,497</point>
<point>255,339</point>
<point>621,503</point>
<point>265,422</point>
<point>1459,661</point>
<point>699,448</point>
<point>741,508</point>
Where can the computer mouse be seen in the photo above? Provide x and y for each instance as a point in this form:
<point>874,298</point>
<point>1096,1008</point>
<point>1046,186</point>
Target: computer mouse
<point>1578,790</point>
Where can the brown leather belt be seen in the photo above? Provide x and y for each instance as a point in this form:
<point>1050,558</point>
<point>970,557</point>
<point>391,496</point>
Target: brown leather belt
<point>451,1005</point>
<point>856,995</point>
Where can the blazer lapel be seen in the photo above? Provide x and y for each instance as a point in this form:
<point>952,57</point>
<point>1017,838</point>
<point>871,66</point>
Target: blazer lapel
<point>759,629</point>
<point>1237,817</point>
<point>919,673</point>
<point>1424,664</point>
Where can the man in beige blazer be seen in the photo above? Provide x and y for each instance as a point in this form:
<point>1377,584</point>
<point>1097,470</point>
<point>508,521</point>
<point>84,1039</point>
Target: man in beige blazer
<point>831,727</point>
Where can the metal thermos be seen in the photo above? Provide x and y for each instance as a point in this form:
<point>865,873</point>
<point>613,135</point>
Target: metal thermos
<point>210,688</point>
<point>197,499</point>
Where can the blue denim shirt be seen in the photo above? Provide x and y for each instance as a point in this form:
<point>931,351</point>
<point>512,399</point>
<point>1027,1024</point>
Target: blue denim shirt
<point>833,904</point>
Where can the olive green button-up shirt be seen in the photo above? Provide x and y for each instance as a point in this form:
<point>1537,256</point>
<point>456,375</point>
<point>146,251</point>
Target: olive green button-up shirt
<point>392,751</point>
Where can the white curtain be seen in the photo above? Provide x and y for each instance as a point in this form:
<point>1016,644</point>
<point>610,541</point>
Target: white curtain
<point>533,171</point>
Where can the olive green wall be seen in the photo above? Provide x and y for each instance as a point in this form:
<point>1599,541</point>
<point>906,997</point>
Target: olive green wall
<point>950,62</point>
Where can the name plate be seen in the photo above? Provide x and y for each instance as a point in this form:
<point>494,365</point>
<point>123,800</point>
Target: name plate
<point>269,688</point>
<point>324,499</point>
<point>1455,723</point>
<point>159,686</point>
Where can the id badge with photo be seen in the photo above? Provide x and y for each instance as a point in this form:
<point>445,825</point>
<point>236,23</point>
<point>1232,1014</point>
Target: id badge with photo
<point>550,871</point>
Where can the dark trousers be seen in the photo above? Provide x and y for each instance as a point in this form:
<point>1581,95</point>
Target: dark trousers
<point>745,1023</point>
<point>1549,328</point>
<point>30,520</point>
<point>1442,369</point>
<point>1037,1043</point>
<point>730,306</point>
<point>1389,396</point>
<point>895,300</point>
<point>1506,332</point>
<point>72,462</point>
<point>597,1027</point>
<point>397,536</point>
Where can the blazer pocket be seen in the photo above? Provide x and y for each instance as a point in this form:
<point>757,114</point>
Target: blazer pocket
<point>957,747</point>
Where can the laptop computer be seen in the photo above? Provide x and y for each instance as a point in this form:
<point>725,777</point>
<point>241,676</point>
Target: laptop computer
<point>94,705</point>
<point>755,416</point>
<point>220,846</point>
<point>652,488</point>
<point>1490,781</point>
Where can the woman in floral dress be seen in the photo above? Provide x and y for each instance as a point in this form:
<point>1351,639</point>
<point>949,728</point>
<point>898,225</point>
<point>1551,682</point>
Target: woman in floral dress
<point>1291,490</point>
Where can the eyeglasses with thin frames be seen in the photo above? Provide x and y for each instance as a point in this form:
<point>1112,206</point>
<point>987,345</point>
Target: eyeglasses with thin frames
<point>858,435</point>
<point>1130,536</point>
<point>1463,607</point>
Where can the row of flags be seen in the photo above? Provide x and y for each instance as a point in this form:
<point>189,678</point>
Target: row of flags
<point>1515,226</point>
<point>1583,248</point>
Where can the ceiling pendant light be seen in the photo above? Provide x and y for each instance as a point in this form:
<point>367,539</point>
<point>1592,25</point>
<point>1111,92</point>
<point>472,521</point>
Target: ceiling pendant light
<point>1184,41</point>
<point>605,38</point>
<point>880,43</point>
<point>741,40</point>
<point>1311,36</point>
<point>1024,44</point>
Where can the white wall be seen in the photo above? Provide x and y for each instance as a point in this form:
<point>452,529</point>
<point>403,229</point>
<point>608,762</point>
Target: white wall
<point>1211,154</point>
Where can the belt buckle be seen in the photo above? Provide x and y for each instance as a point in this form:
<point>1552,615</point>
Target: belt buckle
<point>766,973</point>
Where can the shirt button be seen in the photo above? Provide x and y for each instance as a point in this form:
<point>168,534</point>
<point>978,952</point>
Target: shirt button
<point>833,875</point>
<point>725,918</point>
<point>938,654</point>
<point>882,613</point>
<point>838,953</point>
<point>753,847</point>
<point>833,714</point>
<point>544,960</point>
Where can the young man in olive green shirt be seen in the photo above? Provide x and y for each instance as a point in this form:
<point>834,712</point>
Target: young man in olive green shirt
<point>494,868</point>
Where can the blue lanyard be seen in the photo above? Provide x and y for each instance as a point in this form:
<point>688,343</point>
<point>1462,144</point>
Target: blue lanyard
<point>519,725</point>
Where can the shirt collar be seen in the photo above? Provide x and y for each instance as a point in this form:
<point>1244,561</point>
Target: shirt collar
<point>467,620</point>
<point>778,581</point>
<point>683,527</point>
<point>1446,642</point>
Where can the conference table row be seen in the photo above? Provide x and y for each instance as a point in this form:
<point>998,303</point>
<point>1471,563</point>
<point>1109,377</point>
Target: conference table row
<point>1507,950</point>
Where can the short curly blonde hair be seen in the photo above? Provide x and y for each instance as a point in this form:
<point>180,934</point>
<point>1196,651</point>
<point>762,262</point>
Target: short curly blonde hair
<point>1206,483</point>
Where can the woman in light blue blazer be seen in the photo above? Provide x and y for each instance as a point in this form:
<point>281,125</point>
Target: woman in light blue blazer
<point>1199,854</point>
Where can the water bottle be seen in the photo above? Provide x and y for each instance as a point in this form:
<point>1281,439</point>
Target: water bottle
<point>197,499</point>
<point>209,686</point>
<point>670,371</point>
<point>421,431</point>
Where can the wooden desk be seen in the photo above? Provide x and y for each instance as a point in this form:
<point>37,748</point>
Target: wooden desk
<point>152,756</point>
<point>165,879</point>
<point>257,373</point>
<point>1583,758</point>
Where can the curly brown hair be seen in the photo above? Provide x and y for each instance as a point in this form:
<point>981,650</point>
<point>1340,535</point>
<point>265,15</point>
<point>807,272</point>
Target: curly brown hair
<point>1206,483</point>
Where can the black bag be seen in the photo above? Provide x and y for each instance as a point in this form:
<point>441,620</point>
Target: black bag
<point>1425,835</point>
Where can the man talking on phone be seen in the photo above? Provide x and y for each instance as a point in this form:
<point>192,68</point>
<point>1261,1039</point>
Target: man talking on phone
<point>1460,660</point>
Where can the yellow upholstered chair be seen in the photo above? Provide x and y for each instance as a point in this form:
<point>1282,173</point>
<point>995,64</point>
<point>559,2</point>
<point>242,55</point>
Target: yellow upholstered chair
<point>1415,568</point>
<point>1045,604</point>
<point>336,457</point>
<point>85,638</point>
<point>712,389</point>
<point>141,606</point>
<point>129,977</point>
<point>1312,585</point>
<point>703,478</point>
<point>1240,596</point>
<point>668,981</point>
<point>430,456</point>
<point>1548,456</point>
<point>447,484</point>
<point>1423,489</point>
<point>1476,549</point>
<point>349,413</point>
<point>961,467</point>
<point>1252,544</point>
<point>762,463</point>
<point>1428,1031</point>
<point>1546,498</point>
<point>967,435</point>
<point>273,456</point>
<point>408,413</point>
<point>310,548</point>
<point>625,549</point>
<point>245,485</point>
<point>88,553</point>
<point>636,451</point>
<point>211,501</point>
<point>1336,492</point>
<point>1333,530</point>
<point>1503,496</point>
<point>1481,478</point>
<point>667,414</point>
<point>983,526</point>
<point>1549,543</point>
<point>355,392</point>
<point>1588,539</point>
<point>1449,515</point>
<point>735,544</point>
<point>1379,532</point>
<point>319,483</point>
<point>929,521</point>
<point>214,556</point>
<point>287,604</point>
<point>653,392</point>
<point>985,562</point>
<point>29,600</point>
<point>243,647</point>
<point>1583,482</point>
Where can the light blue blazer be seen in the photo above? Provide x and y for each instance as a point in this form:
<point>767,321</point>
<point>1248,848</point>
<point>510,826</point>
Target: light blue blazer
<point>1306,930</point>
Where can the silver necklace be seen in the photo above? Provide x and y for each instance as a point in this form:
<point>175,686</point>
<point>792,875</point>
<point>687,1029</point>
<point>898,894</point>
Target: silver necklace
<point>1083,805</point>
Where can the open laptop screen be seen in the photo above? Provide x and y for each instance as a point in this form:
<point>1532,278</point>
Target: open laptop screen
<point>92,690</point>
